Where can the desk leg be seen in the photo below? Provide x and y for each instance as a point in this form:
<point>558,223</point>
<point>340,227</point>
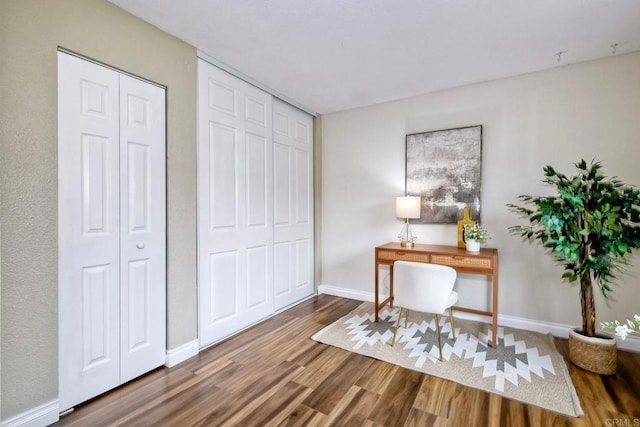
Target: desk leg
<point>391,286</point>
<point>494,309</point>
<point>376,298</point>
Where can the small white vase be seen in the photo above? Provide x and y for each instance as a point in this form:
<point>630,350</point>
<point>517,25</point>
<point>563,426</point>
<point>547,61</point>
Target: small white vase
<point>473,246</point>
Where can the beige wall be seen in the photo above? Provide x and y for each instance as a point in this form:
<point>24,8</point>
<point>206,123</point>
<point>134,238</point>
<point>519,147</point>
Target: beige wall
<point>555,117</point>
<point>30,32</point>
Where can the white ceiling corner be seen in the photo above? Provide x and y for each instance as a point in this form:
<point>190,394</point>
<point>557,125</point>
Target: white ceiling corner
<point>332,55</point>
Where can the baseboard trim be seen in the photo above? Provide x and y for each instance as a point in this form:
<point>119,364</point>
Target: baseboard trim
<point>632,343</point>
<point>346,293</point>
<point>181,353</point>
<point>42,415</point>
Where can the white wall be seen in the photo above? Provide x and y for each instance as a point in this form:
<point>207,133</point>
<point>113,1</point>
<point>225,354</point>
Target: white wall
<point>556,117</point>
<point>30,33</point>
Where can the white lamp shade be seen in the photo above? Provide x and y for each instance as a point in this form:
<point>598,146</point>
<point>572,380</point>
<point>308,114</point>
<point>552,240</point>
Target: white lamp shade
<point>408,207</point>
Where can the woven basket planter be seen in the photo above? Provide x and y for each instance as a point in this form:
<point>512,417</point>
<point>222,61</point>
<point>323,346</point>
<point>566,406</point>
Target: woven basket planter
<point>596,354</point>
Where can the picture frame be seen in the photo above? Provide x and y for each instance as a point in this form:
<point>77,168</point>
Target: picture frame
<point>444,167</point>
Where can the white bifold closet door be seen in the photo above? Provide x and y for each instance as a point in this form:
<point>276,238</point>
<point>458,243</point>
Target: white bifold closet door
<point>293,204</point>
<point>111,228</point>
<point>235,204</point>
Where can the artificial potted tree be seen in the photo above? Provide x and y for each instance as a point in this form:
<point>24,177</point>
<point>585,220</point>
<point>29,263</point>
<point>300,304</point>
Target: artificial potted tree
<point>589,227</point>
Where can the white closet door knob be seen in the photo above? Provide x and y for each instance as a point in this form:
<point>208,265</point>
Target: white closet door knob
<point>140,245</point>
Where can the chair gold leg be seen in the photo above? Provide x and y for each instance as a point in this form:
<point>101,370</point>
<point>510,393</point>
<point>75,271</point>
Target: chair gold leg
<point>438,336</point>
<point>393,340</point>
<point>453,326</point>
<point>406,317</point>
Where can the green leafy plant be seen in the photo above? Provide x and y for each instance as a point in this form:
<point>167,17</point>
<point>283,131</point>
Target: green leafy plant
<point>589,227</point>
<point>476,232</point>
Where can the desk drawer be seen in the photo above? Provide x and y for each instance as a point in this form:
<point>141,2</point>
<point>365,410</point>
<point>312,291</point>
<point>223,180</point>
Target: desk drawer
<point>461,261</point>
<point>403,256</point>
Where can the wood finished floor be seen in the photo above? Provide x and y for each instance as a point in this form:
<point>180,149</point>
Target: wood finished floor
<point>274,375</point>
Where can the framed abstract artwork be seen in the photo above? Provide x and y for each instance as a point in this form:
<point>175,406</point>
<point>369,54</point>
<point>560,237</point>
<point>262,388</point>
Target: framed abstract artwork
<point>443,167</point>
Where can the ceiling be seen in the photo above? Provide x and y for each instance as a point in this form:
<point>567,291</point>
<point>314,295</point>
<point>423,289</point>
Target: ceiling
<point>332,55</point>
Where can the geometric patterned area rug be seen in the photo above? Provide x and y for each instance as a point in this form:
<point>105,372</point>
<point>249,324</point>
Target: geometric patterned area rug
<point>525,366</point>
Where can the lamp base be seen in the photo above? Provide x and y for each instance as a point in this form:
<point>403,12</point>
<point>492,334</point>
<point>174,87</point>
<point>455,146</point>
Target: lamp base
<point>407,236</point>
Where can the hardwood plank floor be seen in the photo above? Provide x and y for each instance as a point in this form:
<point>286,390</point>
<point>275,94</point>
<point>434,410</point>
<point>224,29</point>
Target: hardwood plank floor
<point>274,375</point>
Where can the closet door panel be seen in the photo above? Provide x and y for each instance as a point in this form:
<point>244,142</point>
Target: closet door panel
<point>303,265</point>
<point>223,188</point>
<point>142,227</point>
<point>282,184</point>
<point>302,184</point>
<point>235,204</point>
<point>282,257</point>
<point>88,230</point>
<point>256,110</point>
<point>222,300</point>
<point>97,314</point>
<point>257,191</point>
<point>257,277</point>
<point>221,94</point>
<point>293,228</point>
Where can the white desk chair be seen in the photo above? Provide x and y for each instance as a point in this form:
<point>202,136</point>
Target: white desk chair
<point>427,288</point>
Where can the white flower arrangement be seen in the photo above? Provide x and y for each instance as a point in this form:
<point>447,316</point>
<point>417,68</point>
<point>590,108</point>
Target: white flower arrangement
<point>476,232</point>
<point>623,329</point>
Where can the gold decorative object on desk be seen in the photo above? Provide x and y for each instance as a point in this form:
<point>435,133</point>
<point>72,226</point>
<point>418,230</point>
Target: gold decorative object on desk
<point>466,219</point>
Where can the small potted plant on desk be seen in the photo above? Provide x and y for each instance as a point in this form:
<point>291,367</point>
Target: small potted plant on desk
<point>474,235</point>
<point>589,226</point>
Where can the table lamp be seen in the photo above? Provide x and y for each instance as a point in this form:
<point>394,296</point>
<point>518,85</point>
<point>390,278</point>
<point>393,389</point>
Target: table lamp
<point>407,207</point>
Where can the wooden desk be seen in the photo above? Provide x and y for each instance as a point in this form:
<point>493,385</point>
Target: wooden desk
<point>484,262</point>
